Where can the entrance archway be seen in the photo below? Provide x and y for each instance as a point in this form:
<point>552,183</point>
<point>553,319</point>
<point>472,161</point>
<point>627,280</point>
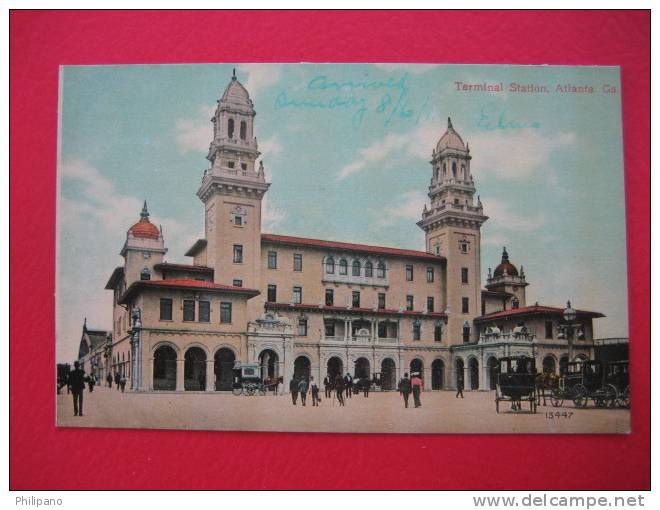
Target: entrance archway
<point>417,365</point>
<point>223,368</point>
<point>387,375</point>
<point>302,367</point>
<point>362,369</point>
<point>459,369</point>
<point>474,373</point>
<point>563,363</point>
<point>549,365</point>
<point>165,368</point>
<point>437,374</point>
<point>492,372</point>
<point>335,368</point>
<point>194,370</point>
<point>270,366</point>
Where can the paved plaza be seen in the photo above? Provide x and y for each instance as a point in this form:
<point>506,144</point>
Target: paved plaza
<point>441,412</point>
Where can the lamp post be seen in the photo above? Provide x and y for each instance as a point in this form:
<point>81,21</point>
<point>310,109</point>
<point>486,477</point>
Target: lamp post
<point>569,328</point>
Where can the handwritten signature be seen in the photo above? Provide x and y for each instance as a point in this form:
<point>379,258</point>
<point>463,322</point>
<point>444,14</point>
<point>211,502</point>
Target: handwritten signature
<point>492,117</point>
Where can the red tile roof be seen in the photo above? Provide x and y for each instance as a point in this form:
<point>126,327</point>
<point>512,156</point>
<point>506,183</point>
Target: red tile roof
<point>380,311</point>
<point>364,248</point>
<point>165,266</point>
<point>144,228</point>
<point>184,283</point>
<point>535,310</point>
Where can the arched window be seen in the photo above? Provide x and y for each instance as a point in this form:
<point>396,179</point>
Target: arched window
<point>243,130</point>
<point>145,274</point>
<point>444,169</point>
<point>343,267</point>
<point>453,169</point>
<point>380,269</point>
<point>230,128</point>
<point>356,268</point>
<point>330,265</point>
<point>368,269</point>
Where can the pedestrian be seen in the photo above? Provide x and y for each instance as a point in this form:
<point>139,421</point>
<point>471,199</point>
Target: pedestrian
<point>201,379</point>
<point>315,392</point>
<point>365,386</point>
<point>348,384</point>
<point>339,389</point>
<point>293,388</point>
<point>326,386</point>
<point>91,383</point>
<point>303,386</point>
<point>109,379</point>
<point>122,382</point>
<point>117,379</point>
<point>404,388</point>
<point>459,386</point>
<point>77,380</point>
<point>417,386</point>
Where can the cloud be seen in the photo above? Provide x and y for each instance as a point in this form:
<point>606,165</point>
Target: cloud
<point>503,217</point>
<point>260,77</point>
<point>271,215</point>
<point>194,134</point>
<point>270,147</point>
<point>409,207</point>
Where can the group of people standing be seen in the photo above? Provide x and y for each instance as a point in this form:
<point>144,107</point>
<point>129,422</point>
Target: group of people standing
<point>415,385</point>
<point>75,384</point>
<point>119,380</point>
<point>300,386</point>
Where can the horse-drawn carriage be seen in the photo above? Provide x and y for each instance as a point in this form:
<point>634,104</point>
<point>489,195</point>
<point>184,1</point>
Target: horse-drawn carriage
<point>249,381</point>
<point>607,384</point>
<point>516,382</point>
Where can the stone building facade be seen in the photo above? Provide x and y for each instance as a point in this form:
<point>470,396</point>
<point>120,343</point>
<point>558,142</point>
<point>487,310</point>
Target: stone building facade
<point>300,306</point>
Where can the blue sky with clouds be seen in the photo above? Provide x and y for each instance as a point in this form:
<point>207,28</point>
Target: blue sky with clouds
<point>347,149</point>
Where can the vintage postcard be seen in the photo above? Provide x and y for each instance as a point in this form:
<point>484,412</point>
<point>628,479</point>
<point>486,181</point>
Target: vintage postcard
<point>342,248</point>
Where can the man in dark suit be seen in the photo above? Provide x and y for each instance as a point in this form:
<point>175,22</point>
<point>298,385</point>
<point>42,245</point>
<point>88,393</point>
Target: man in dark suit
<point>339,389</point>
<point>405,388</point>
<point>327,386</point>
<point>77,380</point>
<point>293,388</point>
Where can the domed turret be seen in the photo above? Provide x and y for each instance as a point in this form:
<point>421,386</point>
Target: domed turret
<point>144,228</point>
<point>450,140</point>
<point>236,94</point>
<point>505,266</point>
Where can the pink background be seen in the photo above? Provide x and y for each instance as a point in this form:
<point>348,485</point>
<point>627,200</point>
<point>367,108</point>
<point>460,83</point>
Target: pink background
<point>144,459</point>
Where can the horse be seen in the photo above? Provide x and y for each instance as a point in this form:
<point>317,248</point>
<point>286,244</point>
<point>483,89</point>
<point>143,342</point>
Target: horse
<point>545,381</point>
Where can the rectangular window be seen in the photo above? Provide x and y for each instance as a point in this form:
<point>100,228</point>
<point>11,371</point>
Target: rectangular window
<point>380,270</point>
<point>272,293</point>
<point>410,303</point>
<point>238,220</point>
<point>238,254</point>
<point>297,295</point>
<point>465,305</point>
<point>329,297</point>
<point>237,283</point>
<point>430,303</point>
<point>272,260</point>
<point>381,300</point>
<point>329,328</point>
<point>302,327</point>
<point>437,333</point>
<point>369,270</point>
<point>466,334</point>
<point>225,313</point>
<point>165,309</point>
<point>382,330</point>
<point>548,329</point>
<point>204,311</point>
<point>343,267</point>
<point>230,164</point>
<point>417,330</point>
<point>297,262</point>
<point>430,276</point>
<point>464,275</point>
<point>188,310</point>
<point>409,273</point>
<point>356,299</point>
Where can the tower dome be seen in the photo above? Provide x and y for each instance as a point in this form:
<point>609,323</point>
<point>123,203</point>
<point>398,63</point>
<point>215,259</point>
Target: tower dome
<point>236,94</point>
<point>450,140</point>
<point>144,228</point>
<point>505,266</point>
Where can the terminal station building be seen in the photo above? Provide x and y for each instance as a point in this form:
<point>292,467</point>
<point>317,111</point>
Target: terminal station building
<point>313,307</point>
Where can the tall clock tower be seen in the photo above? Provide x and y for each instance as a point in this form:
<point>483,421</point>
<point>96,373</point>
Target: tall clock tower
<point>232,190</point>
<point>453,230</point>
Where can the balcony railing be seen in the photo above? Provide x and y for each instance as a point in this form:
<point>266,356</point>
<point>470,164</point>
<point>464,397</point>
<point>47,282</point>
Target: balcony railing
<point>361,340</point>
<point>507,337</point>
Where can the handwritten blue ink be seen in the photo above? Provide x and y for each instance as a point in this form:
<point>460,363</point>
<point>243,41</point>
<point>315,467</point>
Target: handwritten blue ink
<point>491,119</point>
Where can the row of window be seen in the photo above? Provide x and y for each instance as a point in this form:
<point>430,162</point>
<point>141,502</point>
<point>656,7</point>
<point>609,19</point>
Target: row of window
<point>356,268</point>
<point>230,129</point>
<point>297,261</point>
<point>330,330</point>
<point>195,309</point>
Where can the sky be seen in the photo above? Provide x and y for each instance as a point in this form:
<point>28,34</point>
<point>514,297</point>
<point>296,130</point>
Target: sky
<point>347,149</point>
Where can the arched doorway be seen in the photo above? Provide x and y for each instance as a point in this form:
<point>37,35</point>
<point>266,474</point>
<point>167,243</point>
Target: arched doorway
<point>165,368</point>
<point>362,369</point>
<point>417,366</point>
<point>194,370</point>
<point>563,363</point>
<point>474,373</point>
<point>387,375</point>
<point>302,367</point>
<point>549,365</point>
<point>270,366</point>
<point>437,374</point>
<point>459,369</point>
<point>492,372</point>
<point>335,368</point>
<point>223,369</point>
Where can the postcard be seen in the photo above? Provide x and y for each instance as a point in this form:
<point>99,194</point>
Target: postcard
<point>362,248</point>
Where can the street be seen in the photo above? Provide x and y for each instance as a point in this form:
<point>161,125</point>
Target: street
<point>441,412</point>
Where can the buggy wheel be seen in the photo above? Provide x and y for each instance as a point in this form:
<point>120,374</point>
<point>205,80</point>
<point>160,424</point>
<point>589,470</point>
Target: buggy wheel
<point>237,390</point>
<point>556,398</point>
<point>262,390</point>
<point>580,398</point>
<point>612,395</point>
<point>250,390</point>
<point>623,399</point>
